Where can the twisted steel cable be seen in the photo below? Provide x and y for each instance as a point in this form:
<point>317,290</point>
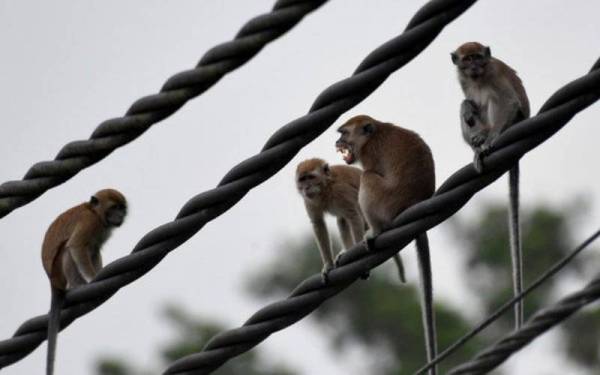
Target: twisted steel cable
<point>539,323</point>
<point>449,198</point>
<point>147,111</point>
<point>558,266</point>
<point>427,23</point>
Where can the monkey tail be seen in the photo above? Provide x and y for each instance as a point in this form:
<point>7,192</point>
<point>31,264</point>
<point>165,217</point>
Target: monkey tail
<point>427,310</point>
<point>400,267</point>
<point>58,297</point>
<point>516,252</point>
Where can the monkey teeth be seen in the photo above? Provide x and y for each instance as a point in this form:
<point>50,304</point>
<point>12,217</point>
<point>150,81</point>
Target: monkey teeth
<point>344,151</point>
<point>346,154</point>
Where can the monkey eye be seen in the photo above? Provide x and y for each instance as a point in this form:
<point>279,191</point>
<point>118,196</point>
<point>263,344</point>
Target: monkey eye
<point>119,206</point>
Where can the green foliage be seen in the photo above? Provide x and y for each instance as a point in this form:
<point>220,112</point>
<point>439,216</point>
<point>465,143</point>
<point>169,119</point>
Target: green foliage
<point>382,317</point>
<point>547,237</point>
<point>191,334</point>
<point>111,366</point>
<point>547,234</point>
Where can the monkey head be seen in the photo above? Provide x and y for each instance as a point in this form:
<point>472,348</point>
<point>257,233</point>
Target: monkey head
<point>354,135</point>
<point>312,177</point>
<point>471,59</point>
<point>110,205</point>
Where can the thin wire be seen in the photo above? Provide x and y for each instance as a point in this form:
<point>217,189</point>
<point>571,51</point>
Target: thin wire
<point>506,306</point>
<point>540,322</point>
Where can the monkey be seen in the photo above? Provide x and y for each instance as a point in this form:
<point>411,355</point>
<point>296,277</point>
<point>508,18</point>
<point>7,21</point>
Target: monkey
<point>495,100</point>
<point>333,190</point>
<point>71,251</point>
<point>398,172</point>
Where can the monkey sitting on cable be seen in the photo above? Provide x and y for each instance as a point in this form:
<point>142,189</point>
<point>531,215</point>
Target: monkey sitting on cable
<point>495,97</point>
<point>495,100</point>
<point>71,251</point>
<point>333,190</point>
<point>398,172</point>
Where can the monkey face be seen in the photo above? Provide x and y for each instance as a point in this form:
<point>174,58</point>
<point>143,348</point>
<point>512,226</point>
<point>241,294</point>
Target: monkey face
<point>471,59</point>
<point>354,134</point>
<point>115,215</point>
<point>309,185</point>
<point>110,205</point>
<point>312,176</point>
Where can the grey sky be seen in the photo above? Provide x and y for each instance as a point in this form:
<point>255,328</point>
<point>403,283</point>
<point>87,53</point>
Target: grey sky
<point>68,65</point>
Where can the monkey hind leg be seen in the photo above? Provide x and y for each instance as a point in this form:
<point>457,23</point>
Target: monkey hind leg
<point>53,328</point>
<point>516,252</point>
<point>428,312</point>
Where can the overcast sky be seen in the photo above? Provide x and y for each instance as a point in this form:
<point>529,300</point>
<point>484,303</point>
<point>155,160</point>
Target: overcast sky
<point>68,65</point>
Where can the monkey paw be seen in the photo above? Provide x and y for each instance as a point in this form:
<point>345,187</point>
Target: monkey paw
<point>325,273</point>
<point>369,240</point>
<point>477,140</point>
<point>338,258</point>
<point>485,150</point>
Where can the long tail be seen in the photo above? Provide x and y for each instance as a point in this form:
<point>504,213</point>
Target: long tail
<point>53,327</point>
<point>400,267</point>
<point>427,310</point>
<point>516,252</point>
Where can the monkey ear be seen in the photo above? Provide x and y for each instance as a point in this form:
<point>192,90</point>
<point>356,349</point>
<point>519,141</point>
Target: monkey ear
<point>454,57</point>
<point>94,200</point>
<point>368,128</point>
<point>488,52</point>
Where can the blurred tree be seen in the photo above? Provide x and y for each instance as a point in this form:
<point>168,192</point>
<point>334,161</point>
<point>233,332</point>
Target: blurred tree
<point>191,335</point>
<point>382,317</point>
<point>548,235</point>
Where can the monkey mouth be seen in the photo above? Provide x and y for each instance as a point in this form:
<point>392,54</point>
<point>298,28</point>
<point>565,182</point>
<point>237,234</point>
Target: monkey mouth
<point>312,192</point>
<point>347,154</point>
<point>475,73</point>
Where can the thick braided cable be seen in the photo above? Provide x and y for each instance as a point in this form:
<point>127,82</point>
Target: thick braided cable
<point>449,198</point>
<point>539,323</point>
<point>147,111</point>
<point>428,22</point>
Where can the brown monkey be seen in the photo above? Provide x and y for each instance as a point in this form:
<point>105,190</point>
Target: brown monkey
<point>333,190</point>
<point>398,171</point>
<point>495,100</point>
<point>71,251</point>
